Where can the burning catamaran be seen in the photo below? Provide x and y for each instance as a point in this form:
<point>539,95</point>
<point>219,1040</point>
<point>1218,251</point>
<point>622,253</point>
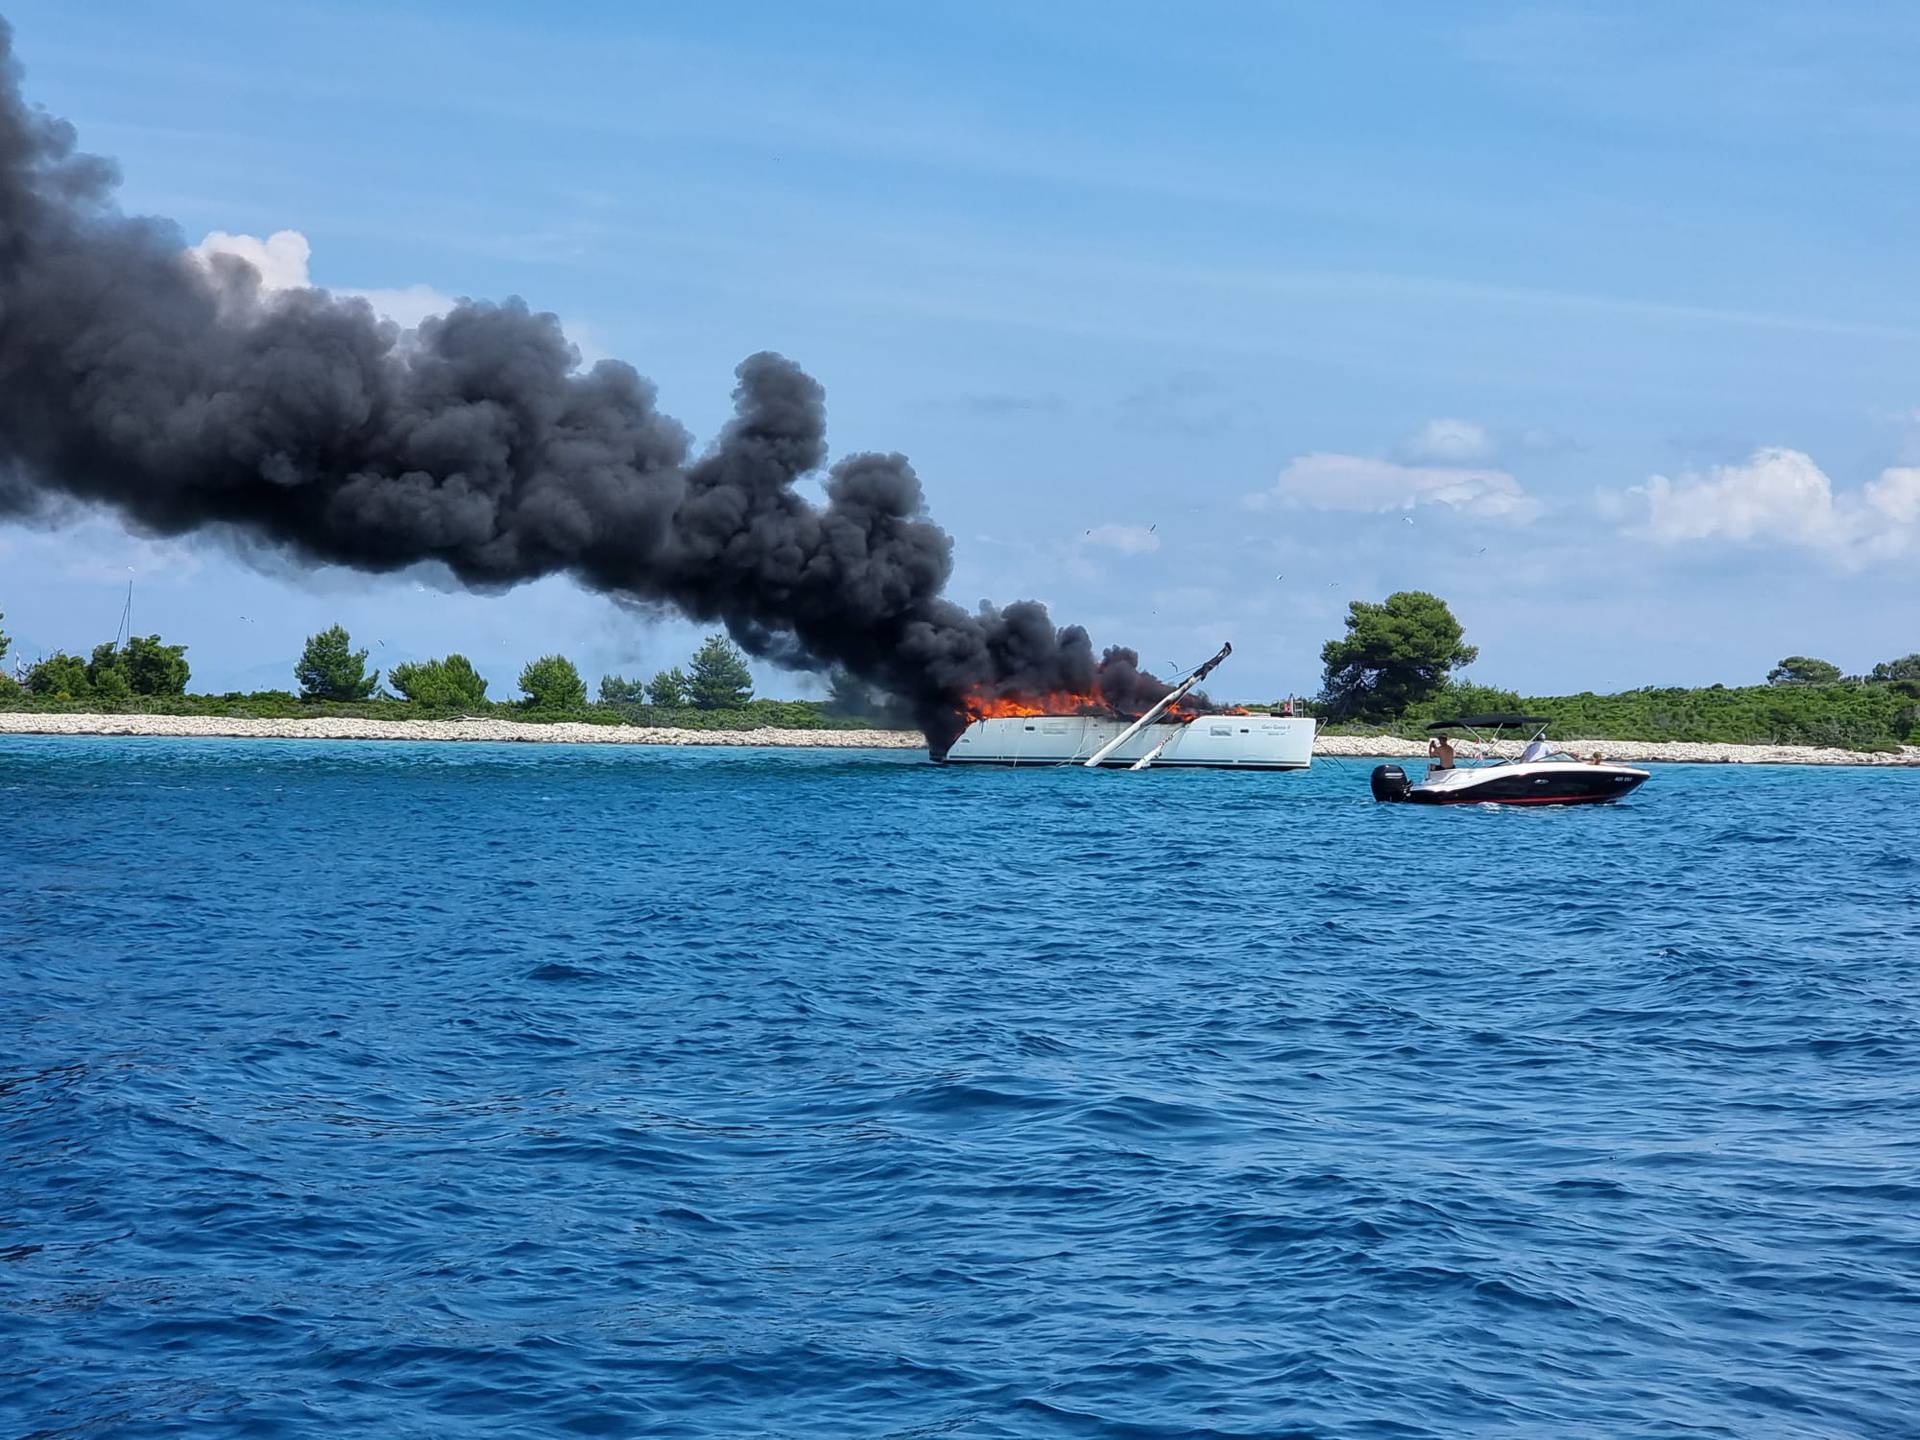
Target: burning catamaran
<point>1164,735</point>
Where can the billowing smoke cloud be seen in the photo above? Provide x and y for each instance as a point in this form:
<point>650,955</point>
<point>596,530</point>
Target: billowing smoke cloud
<point>186,394</point>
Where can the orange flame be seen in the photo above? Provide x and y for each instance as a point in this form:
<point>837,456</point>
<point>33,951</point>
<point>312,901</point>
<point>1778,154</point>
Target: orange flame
<point>984,707</point>
<point>1064,702</point>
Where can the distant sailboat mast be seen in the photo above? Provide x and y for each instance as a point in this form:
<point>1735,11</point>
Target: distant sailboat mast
<point>125,632</point>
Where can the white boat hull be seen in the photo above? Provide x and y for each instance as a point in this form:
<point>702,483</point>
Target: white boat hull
<point>1211,742</point>
<point>1538,782</point>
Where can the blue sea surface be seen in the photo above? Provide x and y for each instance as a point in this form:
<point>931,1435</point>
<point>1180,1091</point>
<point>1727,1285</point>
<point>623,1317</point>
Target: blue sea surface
<point>430,1091</point>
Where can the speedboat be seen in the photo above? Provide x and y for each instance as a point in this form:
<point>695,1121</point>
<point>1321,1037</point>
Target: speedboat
<point>1541,776</point>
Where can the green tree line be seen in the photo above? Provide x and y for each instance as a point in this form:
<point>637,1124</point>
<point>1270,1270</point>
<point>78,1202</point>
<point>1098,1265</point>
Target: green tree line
<point>142,665</point>
<point>713,690</point>
<point>1394,669</point>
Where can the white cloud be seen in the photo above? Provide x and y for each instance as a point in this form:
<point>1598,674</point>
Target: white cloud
<point>1779,497</point>
<point>1448,442</point>
<point>1775,495</point>
<point>1362,483</point>
<point>1127,539</point>
<point>586,339</point>
<point>1896,495</point>
<point>406,307</point>
<point>282,260</point>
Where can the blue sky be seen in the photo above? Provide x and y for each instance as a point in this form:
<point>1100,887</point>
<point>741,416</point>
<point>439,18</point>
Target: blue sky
<point>1197,322</point>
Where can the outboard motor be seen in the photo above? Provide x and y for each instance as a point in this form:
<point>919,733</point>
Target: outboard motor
<point>1390,783</point>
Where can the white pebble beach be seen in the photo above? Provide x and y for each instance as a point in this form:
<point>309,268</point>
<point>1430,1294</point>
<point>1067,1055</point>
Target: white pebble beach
<point>1342,746</point>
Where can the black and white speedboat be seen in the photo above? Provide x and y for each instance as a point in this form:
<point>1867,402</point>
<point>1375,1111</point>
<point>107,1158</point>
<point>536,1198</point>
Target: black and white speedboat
<point>1541,776</point>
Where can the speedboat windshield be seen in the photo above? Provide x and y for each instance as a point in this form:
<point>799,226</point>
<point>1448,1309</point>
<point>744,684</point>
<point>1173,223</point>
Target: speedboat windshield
<point>1536,749</point>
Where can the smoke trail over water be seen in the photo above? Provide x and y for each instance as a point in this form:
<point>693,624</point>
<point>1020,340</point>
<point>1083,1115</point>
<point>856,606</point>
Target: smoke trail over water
<point>185,395</point>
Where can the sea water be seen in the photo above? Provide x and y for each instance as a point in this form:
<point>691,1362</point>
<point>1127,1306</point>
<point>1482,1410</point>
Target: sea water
<point>428,1091</point>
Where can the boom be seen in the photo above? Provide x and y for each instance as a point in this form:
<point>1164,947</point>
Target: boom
<point>1159,708</point>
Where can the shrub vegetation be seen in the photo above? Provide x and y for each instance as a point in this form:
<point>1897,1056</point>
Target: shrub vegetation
<point>59,676</point>
<point>1854,716</point>
<point>449,684</point>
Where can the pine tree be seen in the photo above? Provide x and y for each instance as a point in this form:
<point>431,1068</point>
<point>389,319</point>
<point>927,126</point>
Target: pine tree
<point>553,683</point>
<point>618,690</point>
<point>154,668</point>
<point>668,689</point>
<point>1394,655</point>
<point>720,679</point>
<point>331,669</point>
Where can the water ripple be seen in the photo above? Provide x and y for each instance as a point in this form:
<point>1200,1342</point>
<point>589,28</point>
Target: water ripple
<point>505,1091</point>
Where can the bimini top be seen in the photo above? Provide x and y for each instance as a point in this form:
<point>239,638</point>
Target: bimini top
<point>1488,722</point>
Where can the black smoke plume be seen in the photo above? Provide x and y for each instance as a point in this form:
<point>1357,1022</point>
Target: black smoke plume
<point>185,395</point>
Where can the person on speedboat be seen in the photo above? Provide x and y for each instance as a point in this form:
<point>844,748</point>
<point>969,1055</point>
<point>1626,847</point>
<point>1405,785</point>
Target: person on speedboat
<point>1536,750</point>
<point>1440,753</point>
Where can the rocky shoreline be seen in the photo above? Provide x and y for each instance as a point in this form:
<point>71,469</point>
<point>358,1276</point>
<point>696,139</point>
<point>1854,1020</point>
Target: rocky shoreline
<point>1341,746</point>
<point>347,728</point>
<point>1671,752</point>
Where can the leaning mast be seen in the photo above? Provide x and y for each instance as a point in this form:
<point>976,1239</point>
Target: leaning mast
<point>1159,708</point>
